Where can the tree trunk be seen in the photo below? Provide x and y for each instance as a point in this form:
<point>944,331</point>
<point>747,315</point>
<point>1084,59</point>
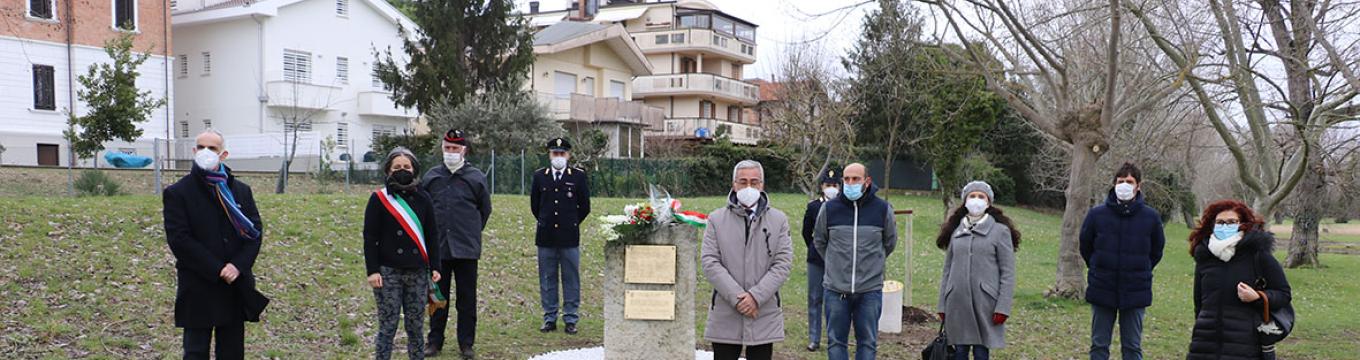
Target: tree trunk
<point>1071,280</point>
<point>1303,241</point>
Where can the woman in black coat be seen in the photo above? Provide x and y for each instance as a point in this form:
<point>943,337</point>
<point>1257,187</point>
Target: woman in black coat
<point>1235,274</point>
<point>400,243</point>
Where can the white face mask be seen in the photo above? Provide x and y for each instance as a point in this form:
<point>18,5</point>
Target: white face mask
<point>976,207</point>
<point>831,192</point>
<point>1124,191</point>
<point>207,159</point>
<point>559,162</point>
<point>748,196</point>
<point>453,160</point>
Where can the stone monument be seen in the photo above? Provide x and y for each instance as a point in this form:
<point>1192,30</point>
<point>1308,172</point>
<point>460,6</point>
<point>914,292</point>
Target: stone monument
<point>649,295</point>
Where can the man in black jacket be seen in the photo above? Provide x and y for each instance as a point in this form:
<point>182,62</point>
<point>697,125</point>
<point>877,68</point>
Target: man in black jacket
<point>560,201</point>
<point>462,203</point>
<point>830,189</point>
<point>213,229</point>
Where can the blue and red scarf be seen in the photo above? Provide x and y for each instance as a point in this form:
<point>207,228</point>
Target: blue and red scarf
<point>218,179</point>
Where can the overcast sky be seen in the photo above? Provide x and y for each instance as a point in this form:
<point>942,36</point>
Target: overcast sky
<point>780,22</point>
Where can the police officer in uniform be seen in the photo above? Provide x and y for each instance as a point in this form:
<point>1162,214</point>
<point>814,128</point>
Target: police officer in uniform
<point>560,200</point>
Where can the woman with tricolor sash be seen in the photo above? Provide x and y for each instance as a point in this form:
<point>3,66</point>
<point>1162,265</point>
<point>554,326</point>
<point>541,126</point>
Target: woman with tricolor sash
<point>399,246</point>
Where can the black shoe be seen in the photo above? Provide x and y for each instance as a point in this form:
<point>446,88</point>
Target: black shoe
<point>571,329</point>
<point>549,326</point>
<point>466,352</point>
<point>431,350</point>
<point>812,347</point>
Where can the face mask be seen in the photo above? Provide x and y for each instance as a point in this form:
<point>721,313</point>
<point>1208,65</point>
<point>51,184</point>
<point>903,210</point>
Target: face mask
<point>453,160</point>
<point>1124,191</point>
<point>975,206</point>
<point>748,196</point>
<point>1225,231</point>
<point>559,162</point>
<point>401,177</point>
<point>207,159</point>
<point>854,191</point>
<point>831,192</point>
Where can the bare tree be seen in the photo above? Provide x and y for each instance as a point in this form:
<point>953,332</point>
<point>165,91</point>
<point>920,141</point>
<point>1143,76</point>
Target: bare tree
<point>1314,91</point>
<point>809,116</point>
<point>300,112</point>
<point>1060,66</point>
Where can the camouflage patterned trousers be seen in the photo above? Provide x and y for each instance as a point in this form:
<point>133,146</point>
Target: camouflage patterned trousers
<point>404,291</point>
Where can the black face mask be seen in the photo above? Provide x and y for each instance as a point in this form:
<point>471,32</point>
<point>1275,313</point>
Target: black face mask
<point>403,180</point>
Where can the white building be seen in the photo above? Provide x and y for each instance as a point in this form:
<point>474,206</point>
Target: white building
<point>254,70</point>
<point>45,45</point>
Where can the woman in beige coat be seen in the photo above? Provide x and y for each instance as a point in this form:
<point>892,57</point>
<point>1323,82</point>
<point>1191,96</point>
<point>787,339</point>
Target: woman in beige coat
<point>746,256</point>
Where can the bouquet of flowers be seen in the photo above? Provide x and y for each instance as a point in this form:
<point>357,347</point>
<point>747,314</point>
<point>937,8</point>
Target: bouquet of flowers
<point>639,220</point>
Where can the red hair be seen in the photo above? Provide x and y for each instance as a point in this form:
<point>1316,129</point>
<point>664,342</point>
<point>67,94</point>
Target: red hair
<point>1205,229</point>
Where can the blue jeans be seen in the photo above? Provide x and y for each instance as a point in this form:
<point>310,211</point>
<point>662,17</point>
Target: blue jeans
<point>568,261</point>
<point>1130,332</point>
<point>979,352</point>
<point>864,309</point>
<point>816,308</point>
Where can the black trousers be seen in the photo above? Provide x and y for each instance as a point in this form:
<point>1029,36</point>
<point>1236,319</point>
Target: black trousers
<point>733,352</point>
<point>463,272</point>
<point>230,342</point>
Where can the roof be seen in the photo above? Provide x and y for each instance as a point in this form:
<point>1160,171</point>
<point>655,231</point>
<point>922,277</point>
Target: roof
<point>568,35</point>
<point>237,9</point>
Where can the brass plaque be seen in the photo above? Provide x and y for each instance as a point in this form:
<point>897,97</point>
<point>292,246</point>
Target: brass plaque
<point>649,264</point>
<point>649,305</point>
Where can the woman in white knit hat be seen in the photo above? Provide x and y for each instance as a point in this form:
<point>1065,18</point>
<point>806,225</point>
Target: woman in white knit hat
<point>978,284</point>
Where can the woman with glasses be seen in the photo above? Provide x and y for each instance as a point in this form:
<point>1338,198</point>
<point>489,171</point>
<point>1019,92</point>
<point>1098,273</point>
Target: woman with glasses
<point>1235,278</point>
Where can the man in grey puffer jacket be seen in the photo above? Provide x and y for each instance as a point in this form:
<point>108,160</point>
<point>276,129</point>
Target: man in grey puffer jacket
<point>855,233</point>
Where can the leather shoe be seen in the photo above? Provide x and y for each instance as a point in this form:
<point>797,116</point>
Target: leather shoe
<point>466,353</point>
<point>431,350</point>
<point>571,329</point>
<point>548,326</point>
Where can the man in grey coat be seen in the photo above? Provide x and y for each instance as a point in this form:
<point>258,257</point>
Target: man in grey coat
<point>746,256</point>
<point>855,233</point>
<point>462,202</point>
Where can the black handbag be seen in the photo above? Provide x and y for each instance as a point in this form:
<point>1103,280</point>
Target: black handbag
<point>938,349</point>
<point>1275,324</point>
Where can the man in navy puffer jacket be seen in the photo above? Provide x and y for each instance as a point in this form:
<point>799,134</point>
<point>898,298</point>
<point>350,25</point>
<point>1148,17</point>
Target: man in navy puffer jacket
<point>1121,241</point>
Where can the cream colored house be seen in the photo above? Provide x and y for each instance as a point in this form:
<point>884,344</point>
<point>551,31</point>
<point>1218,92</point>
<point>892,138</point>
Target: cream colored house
<point>697,53</point>
<point>583,72</point>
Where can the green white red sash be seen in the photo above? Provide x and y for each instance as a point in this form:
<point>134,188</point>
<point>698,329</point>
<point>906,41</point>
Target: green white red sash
<point>407,218</point>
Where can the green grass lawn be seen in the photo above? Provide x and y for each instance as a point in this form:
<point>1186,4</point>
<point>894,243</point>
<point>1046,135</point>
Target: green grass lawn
<point>93,278</point>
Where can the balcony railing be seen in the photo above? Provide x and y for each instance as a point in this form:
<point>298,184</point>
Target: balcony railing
<point>709,129</point>
<point>590,109</point>
<point>696,40</point>
<point>301,95</point>
<point>379,103</point>
<point>696,84</point>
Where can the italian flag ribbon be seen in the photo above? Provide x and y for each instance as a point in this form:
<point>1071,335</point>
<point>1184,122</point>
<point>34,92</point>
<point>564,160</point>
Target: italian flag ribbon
<point>402,212</point>
<point>694,218</point>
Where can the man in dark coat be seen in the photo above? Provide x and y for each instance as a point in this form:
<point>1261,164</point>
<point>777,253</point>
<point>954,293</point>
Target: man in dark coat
<point>213,229</point>
<point>830,189</point>
<point>1121,242</point>
<point>560,201</point>
<point>462,202</point>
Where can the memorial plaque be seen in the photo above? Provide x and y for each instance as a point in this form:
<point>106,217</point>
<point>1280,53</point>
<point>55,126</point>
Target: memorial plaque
<point>649,305</point>
<point>649,264</point>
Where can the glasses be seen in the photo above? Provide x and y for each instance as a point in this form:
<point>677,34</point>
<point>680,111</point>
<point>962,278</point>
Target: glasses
<point>1227,222</point>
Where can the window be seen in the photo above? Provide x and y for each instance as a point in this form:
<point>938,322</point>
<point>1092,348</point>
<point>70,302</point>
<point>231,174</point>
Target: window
<point>174,4</point>
<point>706,109</point>
<point>297,66</point>
<point>746,32</point>
<point>207,124</point>
<point>734,114</point>
<point>589,83</point>
<point>342,7</point>
<point>44,91</point>
<point>377,82</point>
<point>183,66</point>
<point>616,89</point>
<point>723,25</point>
<point>380,131</point>
<point>293,125</point>
<point>694,21</point>
<point>662,39</point>
<point>678,38</point>
<point>342,70</point>
<point>125,14</point>
<point>183,128</point>
<point>564,84</point>
<point>42,9</point>
<point>342,134</point>
<point>207,63</point>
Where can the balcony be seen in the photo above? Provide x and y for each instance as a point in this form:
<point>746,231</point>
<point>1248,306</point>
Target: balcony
<point>702,40</point>
<point>590,109</point>
<point>379,103</point>
<point>709,129</point>
<point>696,84</point>
<point>302,95</point>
